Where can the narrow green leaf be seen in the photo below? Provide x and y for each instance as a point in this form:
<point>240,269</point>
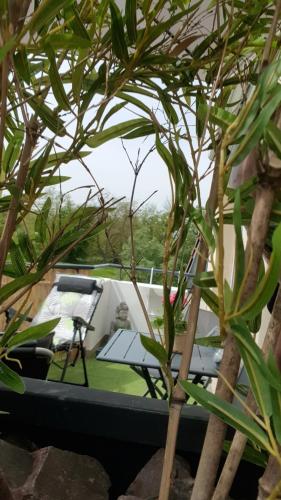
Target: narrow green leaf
<point>131,19</point>
<point>205,279</point>
<point>168,108</point>
<point>221,117</point>
<point>228,413</point>
<point>154,348</point>
<point>268,283</point>
<point>112,112</point>
<point>67,41</point>
<point>201,112</point>
<point>215,342</point>
<point>239,265</point>
<point>211,299</point>
<point>55,79</point>
<point>11,379</point>
<point>64,157</point>
<point>276,407</point>
<point>37,168</point>
<point>53,180</point>
<point>140,132</point>
<point>74,19</point>
<point>255,366</point>
<point>252,455</point>
<point>26,246</point>
<point>273,137</point>
<point>119,45</point>
<point>48,117</point>
<point>45,13</point>
<point>115,131</point>
<point>12,151</point>
<point>33,333</point>
<point>257,128</point>
<point>40,225</point>
<point>165,155</point>
<point>7,47</point>
<point>133,100</point>
<point>17,259</point>
<point>22,64</point>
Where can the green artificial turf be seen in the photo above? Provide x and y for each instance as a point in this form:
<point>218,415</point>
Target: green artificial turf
<point>104,376</point>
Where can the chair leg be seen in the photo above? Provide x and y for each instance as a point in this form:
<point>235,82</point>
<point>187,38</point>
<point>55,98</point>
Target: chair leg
<point>83,357</point>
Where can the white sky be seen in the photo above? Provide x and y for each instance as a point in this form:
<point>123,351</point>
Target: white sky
<point>111,168</point>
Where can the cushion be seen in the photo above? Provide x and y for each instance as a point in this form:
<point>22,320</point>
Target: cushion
<point>77,285</point>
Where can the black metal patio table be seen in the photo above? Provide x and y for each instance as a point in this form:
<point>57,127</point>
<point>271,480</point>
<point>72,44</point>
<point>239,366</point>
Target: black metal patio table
<point>125,347</point>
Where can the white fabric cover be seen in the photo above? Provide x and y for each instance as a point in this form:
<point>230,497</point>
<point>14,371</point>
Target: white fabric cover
<point>66,305</point>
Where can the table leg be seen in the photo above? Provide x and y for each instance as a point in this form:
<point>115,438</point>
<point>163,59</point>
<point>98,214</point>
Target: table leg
<point>149,382</point>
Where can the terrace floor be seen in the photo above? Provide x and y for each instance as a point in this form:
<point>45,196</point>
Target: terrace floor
<point>104,376</point>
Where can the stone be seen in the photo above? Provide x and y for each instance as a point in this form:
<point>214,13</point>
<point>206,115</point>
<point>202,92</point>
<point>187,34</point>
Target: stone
<point>129,497</point>
<point>146,485</point>
<point>59,474</point>
<point>15,463</point>
<point>5,492</point>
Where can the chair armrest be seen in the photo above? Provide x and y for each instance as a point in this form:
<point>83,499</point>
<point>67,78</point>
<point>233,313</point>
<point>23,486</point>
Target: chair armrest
<point>78,322</point>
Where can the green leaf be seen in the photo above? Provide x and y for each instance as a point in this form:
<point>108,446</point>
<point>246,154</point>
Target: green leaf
<point>11,379</point>
<point>17,259</point>
<point>239,266</point>
<point>48,117</point>
<point>115,131</point>
<point>55,79</point>
<point>154,348</point>
<point>53,180</point>
<point>255,366</point>
<point>140,132</point>
<point>119,45</point>
<point>205,279</point>
<point>45,13</point>
<point>67,41</point>
<point>41,220</point>
<point>273,138</point>
<point>7,47</point>
<point>65,157</point>
<point>22,65</point>
<point>266,287</point>
<point>257,128</point>
<point>252,455</point>
<point>111,112</point>
<point>33,333</point>
<point>12,287</point>
<point>228,413</point>
<point>131,19</point>
<point>37,168</point>
<point>26,246</point>
<point>135,101</point>
<point>276,407</point>
<point>214,342</point>
<point>168,108</point>
<point>211,299</point>
<point>201,113</point>
<point>72,16</point>
<point>221,117</point>
<point>12,151</point>
<point>165,155</point>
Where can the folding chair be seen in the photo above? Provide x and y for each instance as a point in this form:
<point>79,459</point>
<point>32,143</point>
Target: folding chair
<point>74,300</point>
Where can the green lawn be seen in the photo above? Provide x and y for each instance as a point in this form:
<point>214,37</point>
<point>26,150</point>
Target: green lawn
<point>104,376</point>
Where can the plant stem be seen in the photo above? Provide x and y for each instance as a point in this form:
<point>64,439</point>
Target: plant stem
<point>211,453</point>
<point>178,396</point>
<point>239,441</point>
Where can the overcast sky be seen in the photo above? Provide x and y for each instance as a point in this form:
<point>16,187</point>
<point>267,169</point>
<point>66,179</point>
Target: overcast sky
<point>112,170</point>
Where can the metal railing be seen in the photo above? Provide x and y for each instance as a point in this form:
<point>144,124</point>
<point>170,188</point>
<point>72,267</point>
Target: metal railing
<point>149,270</point>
